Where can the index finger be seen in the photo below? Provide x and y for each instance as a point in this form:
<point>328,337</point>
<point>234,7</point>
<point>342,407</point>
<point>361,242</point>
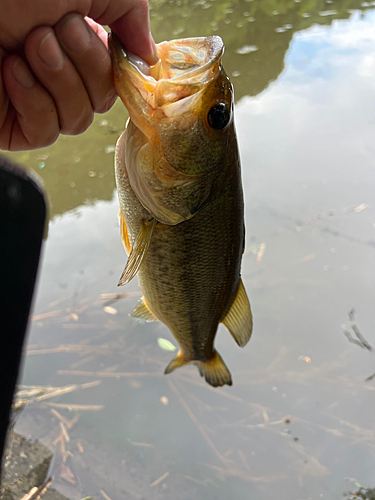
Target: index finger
<point>129,19</point>
<point>131,23</point>
<point>4,100</point>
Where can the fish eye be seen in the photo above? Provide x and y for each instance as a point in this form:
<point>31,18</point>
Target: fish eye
<point>219,116</point>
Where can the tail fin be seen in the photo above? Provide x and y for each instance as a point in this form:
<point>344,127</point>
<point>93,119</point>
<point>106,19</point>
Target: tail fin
<point>214,371</point>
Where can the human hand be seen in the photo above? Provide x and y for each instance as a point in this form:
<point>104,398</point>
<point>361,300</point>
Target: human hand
<point>56,67</point>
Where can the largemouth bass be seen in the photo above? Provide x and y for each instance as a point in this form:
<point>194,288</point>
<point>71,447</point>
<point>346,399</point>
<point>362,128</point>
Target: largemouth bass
<point>181,204</point>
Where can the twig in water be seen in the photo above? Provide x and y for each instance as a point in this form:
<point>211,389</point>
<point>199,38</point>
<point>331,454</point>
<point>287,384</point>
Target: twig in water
<point>83,361</point>
<point>104,495</point>
<point>59,416</point>
<point>244,476</point>
<point>108,374</point>
<point>204,483</point>
<point>198,425</point>
<point>355,329</point>
<point>74,348</point>
<point>361,342</point>
<point>64,432</point>
<point>115,296</point>
<point>142,445</point>
<point>80,326</point>
<point>51,314</point>
<point>50,392</point>
<point>158,481</point>
<point>63,448</point>
<point>74,407</point>
<point>31,494</point>
<point>38,492</point>
<point>220,392</point>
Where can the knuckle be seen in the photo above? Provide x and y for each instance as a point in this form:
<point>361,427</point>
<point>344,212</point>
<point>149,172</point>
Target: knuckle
<point>106,104</point>
<point>49,139</point>
<point>42,136</point>
<point>4,142</point>
<point>82,123</point>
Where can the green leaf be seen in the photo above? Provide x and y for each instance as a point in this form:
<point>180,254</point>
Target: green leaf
<point>166,345</point>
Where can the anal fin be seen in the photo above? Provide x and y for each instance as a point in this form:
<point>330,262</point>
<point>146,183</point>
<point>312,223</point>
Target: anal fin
<point>142,311</point>
<point>239,319</point>
<point>138,252</point>
<point>176,362</point>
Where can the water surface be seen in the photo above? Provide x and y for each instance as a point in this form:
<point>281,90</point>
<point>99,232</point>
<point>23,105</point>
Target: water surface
<point>298,422</point>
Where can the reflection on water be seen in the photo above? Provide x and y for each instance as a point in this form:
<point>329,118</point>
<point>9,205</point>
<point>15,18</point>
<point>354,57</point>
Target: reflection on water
<point>299,420</point>
<point>256,34</point>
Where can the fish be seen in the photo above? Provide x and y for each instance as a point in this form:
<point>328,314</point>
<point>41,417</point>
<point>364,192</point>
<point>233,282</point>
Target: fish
<point>178,177</point>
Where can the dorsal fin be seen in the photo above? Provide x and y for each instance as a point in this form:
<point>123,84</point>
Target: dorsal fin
<point>138,252</point>
<point>239,319</point>
<point>142,311</point>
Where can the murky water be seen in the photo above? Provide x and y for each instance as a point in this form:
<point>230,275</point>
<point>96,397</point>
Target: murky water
<point>298,422</point>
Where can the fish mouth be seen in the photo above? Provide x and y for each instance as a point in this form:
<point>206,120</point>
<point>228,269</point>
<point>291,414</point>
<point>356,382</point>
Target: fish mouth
<point>184,69</point>
<point>165,103</point>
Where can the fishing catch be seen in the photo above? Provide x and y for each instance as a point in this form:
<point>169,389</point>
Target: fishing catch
<point>181,203</point>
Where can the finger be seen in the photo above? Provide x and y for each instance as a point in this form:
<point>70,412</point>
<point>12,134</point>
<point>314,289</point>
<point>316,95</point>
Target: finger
<point>98,30</point>
<point>4,100</point>
<point>61,79</point>
<point>90,57</point>
<point>130,21</point>
<point>128,18</point>
<point>31,120</point>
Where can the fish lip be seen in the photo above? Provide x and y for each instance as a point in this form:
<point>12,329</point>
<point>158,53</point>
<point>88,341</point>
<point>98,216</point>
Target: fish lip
<point>215,53</point>
<point>177,87</point>
<point>120,59</point>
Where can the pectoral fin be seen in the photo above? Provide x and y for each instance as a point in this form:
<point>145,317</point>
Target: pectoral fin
<point>143,311</point>
<point>138,252</point>
<point>239,319</point>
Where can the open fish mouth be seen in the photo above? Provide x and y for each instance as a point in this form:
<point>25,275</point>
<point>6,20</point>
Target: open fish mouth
<point>185,67</point>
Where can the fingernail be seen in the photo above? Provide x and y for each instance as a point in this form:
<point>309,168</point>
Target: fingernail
<point>22,74</point>
<point>75,34</point>
<point>50,52</point>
